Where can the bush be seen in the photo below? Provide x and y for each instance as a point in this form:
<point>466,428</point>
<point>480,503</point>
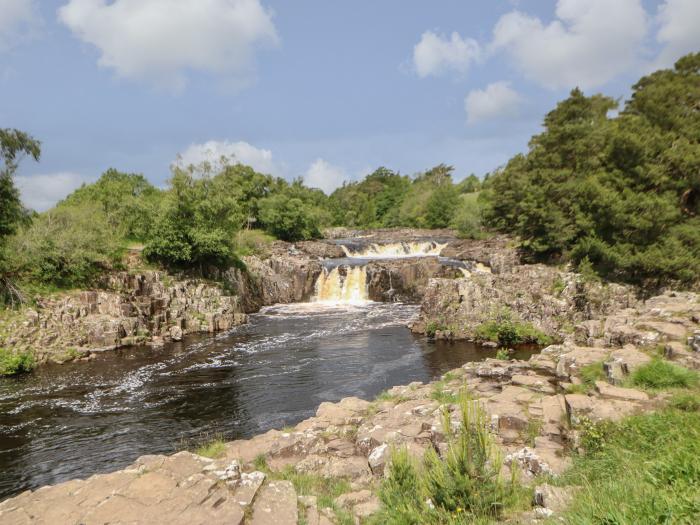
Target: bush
<point>15,363</point>
<point>252,242</point>
<point>467,217</point>
<point>288,218</point>
<point>659,374</point>
<point>66,247</point>
<point>463,487</point>
<point>507,332</point>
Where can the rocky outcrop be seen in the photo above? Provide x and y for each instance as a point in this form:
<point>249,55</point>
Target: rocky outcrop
<point>147,307</point>
<point>498,254</point>
<point>552,300</point>
<point>405,280</point>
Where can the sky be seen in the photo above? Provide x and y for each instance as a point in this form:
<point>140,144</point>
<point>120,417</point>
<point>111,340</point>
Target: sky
<point>319,89</point>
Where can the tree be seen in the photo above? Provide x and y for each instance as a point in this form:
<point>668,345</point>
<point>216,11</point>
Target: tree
<point>621,194</point>
<point>196,224</point>
<point>288,218</point>
<point>14,145</point>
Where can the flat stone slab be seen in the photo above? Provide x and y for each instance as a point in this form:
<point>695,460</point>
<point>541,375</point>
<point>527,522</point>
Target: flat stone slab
<point>616,392</point>
<point>276,504</point>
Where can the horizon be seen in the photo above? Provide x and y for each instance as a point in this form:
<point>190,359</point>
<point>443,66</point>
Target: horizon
<point>457,84</point>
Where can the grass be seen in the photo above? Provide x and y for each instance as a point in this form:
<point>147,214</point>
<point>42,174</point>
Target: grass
<point>506,331</point>
<point>441,395</point>
<point>659,375</point>
<point>686,401</point>
<point>463,487</point>
<point>212,449</point>
<point>252,242</point>
<point>645,470</point>
<point>433,327</point>
<point>326,490</point>
<point>13,363</point>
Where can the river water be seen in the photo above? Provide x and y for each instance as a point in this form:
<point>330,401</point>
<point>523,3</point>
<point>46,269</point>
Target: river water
<point>73,420</point>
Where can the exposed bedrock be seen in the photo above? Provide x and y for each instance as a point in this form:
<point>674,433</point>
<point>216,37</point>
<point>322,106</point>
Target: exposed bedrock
<point>405,280</point>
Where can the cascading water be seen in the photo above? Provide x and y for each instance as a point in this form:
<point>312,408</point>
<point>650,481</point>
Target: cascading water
<point>333,286</point>
<point>395,250</point>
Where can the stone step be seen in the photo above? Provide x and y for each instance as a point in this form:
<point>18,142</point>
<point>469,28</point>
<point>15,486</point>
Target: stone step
<point>275,504</point>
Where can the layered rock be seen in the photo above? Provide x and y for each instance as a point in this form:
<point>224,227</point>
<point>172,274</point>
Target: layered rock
<point>145,307</point>
<point>552,300</point>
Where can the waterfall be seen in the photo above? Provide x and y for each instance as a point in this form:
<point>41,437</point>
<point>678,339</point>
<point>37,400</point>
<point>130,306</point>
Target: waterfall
<point>334,287</point>
<point>395,250</point>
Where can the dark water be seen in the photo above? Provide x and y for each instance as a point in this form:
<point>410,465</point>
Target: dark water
<point>71,421</point>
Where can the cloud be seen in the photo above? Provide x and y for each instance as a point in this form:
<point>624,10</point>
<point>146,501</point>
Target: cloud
<point>497,100</point>
<point>589,43</point>
<point>678,30</point>
<point>159,41</point>
<point>243,152</point>
<point>321,174</point>
<point>18,19</point>
<point>41,192</point>
<point>437,54</point>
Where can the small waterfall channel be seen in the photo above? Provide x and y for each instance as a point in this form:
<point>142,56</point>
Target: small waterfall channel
<point>347,283</point>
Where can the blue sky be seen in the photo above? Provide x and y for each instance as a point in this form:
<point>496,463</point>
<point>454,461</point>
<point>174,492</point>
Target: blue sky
<point>326,90</point>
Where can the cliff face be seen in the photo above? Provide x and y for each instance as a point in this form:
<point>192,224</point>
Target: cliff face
<point>154,307</point>
<point>148,307</point>
<point>405,280</point>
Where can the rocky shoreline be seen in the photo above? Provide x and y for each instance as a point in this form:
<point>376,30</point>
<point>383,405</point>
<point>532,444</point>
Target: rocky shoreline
<point>535,409</point>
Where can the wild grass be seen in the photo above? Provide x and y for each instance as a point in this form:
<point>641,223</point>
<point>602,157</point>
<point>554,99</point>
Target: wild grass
<point>464,486</point>
<point>214,448</point>
<point>506,331</point>
<point>326,490</point>
<point>646,470</point>
<point>13,363</point>
<point>659,375</point>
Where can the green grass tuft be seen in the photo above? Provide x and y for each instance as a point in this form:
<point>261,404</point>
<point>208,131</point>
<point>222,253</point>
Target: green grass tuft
<point>213,449</point>
<point>659,375</point>
<point>645,470</point>
<point>13,363</point>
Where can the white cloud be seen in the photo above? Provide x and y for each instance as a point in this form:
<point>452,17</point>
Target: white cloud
<point>18,18</point>
<point>160,40</point>
<point>678,30</point>
<point>437,54</point>
<point>497,100</point>
<point>243,152</point>
<point>321,174</point>
<point>41,192</point>
<point>591,42</point>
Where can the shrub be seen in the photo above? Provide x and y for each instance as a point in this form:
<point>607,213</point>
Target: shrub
<point>288,218</point>
<point>66,247</point>
<point>659,374</point>
<point>12,363</point>
<point>507,332</point>
<point>252,242</point>
<point>433,327</point>
<point>467,217</point>
<point>462,487</point>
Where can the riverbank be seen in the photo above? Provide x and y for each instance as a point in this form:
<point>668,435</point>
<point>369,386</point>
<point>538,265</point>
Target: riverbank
<point>539,415</point>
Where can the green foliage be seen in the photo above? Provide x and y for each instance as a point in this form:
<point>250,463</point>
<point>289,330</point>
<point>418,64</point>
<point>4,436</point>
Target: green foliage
<point>467,218</point>
<point>432,328</point>
<point>252,242</point>
<point>687,401</point>
<point>212,449</point>
<point>508,332</point>
<point>503,354</point>
<point>620,193</point>
<point>12,363</point>
<point>196,223</point>
<point>288,218</point>
<point>470,184</point>
<point>66,247</point>
<point>644,470</point>
<point>462,487</point>
<point>659,374</point>
<point>128,201</point>
<point>592,373</point>
<point>14,145</point>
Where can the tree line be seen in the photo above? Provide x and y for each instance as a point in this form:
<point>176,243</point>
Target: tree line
<point>617,195</point>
